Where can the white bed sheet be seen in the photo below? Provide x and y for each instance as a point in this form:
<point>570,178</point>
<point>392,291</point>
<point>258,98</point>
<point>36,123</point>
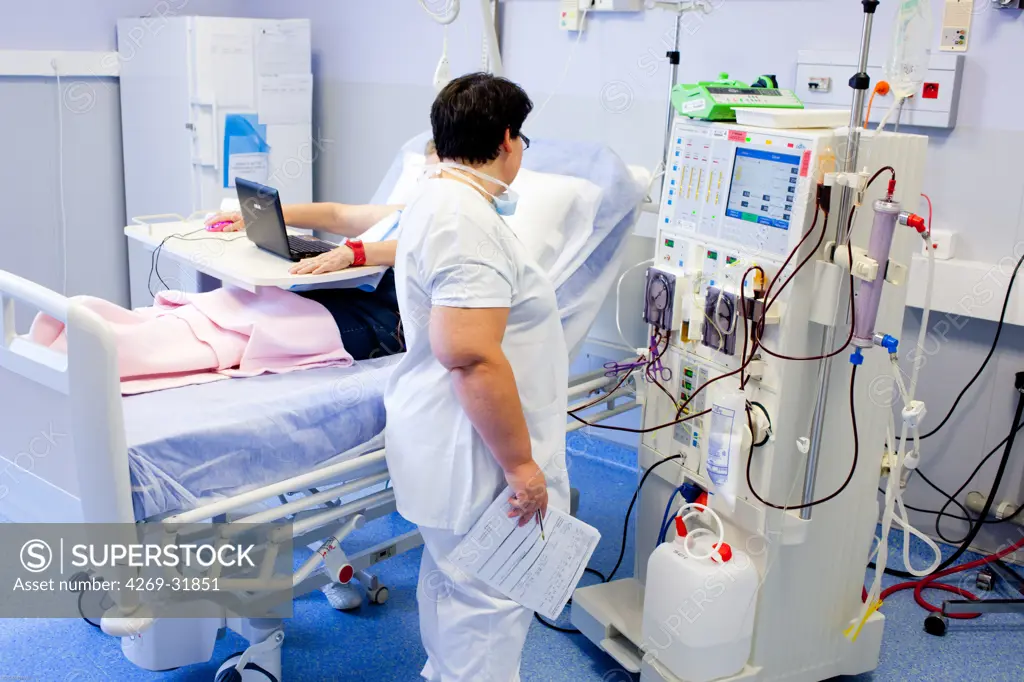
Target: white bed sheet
<point>200,443</point>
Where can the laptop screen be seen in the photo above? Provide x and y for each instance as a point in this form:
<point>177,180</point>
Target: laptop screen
<point>264,220</point>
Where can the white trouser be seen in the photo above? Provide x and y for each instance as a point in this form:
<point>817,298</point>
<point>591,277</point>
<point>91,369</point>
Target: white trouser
<point>471,632</point>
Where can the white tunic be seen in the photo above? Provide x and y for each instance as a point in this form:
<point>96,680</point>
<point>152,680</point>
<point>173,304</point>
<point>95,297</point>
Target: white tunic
<point>456,251</point>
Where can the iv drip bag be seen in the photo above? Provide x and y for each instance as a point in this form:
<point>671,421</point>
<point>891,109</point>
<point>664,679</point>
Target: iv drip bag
<point>911,45</point>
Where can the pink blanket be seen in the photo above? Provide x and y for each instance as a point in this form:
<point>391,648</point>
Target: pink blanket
<point>196,338</point>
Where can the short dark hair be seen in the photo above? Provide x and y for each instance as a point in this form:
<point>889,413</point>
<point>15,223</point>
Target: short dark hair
<point>471,114</point>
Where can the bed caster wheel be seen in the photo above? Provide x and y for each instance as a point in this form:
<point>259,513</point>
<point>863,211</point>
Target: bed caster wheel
<point>986,580</point>
<point>379,596</point>
<point>252,672</point>
<point>936,624</point>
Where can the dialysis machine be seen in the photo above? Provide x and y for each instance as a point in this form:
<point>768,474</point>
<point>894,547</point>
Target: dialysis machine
<point>736,197</point>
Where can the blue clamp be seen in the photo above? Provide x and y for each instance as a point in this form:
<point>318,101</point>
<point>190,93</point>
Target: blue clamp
<point>890,343</point>
<point>690,492</point>
<point>857,358</point>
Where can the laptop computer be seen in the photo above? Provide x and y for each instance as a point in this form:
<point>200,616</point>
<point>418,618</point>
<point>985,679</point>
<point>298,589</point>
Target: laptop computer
<point>264,224</point>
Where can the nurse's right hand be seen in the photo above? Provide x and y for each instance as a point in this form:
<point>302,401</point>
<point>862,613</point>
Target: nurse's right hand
<point>237,223</point>
<point>530,490</point>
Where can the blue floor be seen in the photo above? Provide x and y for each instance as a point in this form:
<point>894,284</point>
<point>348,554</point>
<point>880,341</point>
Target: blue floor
<point>381,644</point>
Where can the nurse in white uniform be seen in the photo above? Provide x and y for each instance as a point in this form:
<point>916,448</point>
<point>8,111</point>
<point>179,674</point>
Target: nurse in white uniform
<point>478,402</point>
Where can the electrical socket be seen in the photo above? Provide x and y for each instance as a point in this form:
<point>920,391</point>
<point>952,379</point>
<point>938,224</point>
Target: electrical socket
<point>611,5</point>
<point>943,244</point>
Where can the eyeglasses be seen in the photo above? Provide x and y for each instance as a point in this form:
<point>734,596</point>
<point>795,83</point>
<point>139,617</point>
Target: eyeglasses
<point>526,141</point>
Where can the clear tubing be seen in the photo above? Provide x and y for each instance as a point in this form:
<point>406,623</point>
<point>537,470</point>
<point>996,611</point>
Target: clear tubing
<point>870,293</point>
<point>893,491</point>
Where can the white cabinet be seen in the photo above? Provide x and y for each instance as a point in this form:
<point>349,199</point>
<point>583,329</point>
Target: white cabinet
<point>205,100</point>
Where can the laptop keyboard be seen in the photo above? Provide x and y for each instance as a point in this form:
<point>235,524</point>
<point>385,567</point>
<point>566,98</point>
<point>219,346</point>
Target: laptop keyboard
<point>305,248</point>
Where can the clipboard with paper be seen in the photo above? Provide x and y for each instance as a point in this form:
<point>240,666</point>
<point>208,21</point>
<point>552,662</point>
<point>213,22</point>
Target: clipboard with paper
<point>535,572</point>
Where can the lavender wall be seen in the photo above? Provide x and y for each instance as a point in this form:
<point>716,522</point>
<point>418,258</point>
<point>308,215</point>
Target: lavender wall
<point>90,25</point>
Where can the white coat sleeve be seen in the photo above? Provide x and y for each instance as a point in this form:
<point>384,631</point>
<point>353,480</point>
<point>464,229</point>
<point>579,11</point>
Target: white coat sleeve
<point>466,264</point>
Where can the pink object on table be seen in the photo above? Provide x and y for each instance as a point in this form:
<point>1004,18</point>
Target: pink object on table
<point>197,338</point>
<point>218,227</point>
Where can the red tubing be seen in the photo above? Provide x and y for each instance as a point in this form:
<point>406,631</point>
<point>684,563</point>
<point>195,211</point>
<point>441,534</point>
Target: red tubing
<point>918,586</point>
<point>928,582</point>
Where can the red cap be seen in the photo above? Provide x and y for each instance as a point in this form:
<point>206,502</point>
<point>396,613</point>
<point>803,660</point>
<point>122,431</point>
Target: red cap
<point>724,553</point>
<point>703,498</point>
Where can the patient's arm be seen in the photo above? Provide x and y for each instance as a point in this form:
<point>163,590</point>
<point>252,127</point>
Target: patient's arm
<point>377,253</point>
<point>348,220</point>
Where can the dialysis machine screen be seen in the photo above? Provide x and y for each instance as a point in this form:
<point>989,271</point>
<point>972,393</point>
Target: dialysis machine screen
<point>763,187</point>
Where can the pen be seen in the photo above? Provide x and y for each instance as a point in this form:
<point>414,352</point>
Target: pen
<point>540,520</point>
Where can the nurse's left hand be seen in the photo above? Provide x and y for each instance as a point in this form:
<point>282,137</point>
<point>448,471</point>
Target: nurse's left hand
<point>332,261</point>
<point>531,492</point>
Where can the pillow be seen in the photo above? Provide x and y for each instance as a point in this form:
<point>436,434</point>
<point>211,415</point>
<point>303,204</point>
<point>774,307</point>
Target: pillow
<point>385,228</point>
<point>412,171</point>
<point>555,219</point>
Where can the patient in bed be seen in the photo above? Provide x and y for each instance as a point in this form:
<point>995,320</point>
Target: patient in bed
<point>196,338</point>
<point>366,315</point>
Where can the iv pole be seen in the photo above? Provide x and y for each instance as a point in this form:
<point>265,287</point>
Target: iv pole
<point>859,82</point>
<point>679,8</point>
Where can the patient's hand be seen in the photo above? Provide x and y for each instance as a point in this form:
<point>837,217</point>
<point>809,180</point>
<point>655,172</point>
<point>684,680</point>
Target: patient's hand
<point>233,217</point>
<point>332,261</point>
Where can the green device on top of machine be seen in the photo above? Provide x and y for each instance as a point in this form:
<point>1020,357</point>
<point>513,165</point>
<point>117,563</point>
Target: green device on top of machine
<point>717,100</point>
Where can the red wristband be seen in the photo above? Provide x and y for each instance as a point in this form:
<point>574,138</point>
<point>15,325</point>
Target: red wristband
<point>358,252</point>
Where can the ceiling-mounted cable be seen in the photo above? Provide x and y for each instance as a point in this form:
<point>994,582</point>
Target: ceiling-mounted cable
<point>445,12</point>
<point>60,167</point>
<point>442,11</point>
<point>443,72</point>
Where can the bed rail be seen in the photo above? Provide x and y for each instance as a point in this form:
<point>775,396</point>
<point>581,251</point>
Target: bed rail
<point>88,376</point>
<point>31,361</point>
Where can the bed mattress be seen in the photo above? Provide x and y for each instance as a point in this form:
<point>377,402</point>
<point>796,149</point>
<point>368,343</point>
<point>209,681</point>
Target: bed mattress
<point>192,445</point>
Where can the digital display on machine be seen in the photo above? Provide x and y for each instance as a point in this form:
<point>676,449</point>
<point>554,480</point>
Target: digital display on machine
<point>760,92</point>
<point>763,187</point>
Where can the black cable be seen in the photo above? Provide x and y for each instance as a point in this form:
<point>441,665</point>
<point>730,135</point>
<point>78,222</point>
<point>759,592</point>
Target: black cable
<point>568,631</point>
<point>938,518</point>
<point>933,511</point>
<point>629,511</point>
<point>991,351</point>
<point>627,429</point>
<point>552,626</point>
<point>81,612</point>
<point>154,258</point>
<point>951,499</point>
<point>895,572</point>
<point>1018,417</point>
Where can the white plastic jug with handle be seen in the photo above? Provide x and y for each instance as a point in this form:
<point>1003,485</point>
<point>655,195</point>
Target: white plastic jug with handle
<point>699,604</point>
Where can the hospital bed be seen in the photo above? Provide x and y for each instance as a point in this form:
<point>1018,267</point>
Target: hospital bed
<point>305,446</point>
